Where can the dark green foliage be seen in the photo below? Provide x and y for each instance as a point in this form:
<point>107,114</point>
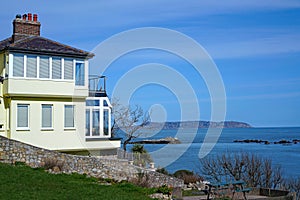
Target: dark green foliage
<point>164,189</point>
<point>163,171</point>
<point>138,148</point>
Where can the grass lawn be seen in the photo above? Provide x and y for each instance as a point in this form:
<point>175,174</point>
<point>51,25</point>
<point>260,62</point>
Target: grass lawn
<point>22,182</point>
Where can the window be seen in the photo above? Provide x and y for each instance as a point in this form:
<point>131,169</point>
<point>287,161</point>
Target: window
<point>44,67</point>
<point>69,116</point>
<point>79,74</point>
<point>105,103</point>
<point>31,67</point>
<point>56,68</point>
<point>68,69</point>
<point>92,103</point>
<point>96,124</point>
<point>87,122</point>
<point>18,68</point>
<point>105,122</point>
<point>47,116</point>
<point>23,116</point>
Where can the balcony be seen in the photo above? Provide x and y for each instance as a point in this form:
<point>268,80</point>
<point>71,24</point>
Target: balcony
<point>97,86</point>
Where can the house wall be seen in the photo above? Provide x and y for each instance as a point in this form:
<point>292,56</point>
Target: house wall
<point>41,88</point>
<point>2,109</point>
<point>57,138</point>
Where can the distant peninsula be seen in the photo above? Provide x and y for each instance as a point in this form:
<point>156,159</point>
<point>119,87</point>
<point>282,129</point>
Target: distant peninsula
<point>198,124</point>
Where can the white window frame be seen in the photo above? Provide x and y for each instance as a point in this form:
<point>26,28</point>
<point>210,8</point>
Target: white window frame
<point>74,120</point>
<point>28,117</point>
<point>101,109</point>
<point>51,127</point>
<point>84,71</point>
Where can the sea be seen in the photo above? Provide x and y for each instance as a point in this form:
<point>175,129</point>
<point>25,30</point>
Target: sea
<point>174,157</point>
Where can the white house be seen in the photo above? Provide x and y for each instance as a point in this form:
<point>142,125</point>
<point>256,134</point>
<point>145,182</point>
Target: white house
<point>47,98</point>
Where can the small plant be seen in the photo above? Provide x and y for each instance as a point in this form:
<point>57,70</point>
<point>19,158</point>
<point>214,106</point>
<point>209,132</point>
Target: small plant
<point>164,189</point>
<point>163,171</point>
<point>187,176</point>
<point>142,179</point>
<point>20,163</point>
<point>52,163</point>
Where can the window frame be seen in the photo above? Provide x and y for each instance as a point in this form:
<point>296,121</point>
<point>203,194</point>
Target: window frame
<point>75,72</point>
<point>40,69</point>
<point>74,120</point>
<point>27,68</point>
<point>13,69</point>
<point>53,66</point>
<point>51,127</point>
<point>28,117</point>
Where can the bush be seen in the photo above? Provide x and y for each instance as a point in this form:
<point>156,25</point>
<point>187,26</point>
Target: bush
<point>52,163</point>
<point>163,171</point>
<point>256,171</point>
<point>187,176</point>
<point>164,189</point>
<point>142,179</point>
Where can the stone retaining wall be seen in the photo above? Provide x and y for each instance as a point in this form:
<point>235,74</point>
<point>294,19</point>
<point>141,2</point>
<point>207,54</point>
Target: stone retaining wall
<point>12,151</point>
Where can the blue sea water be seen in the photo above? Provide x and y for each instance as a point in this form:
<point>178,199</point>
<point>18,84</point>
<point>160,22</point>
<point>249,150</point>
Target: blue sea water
<point>287,156</point>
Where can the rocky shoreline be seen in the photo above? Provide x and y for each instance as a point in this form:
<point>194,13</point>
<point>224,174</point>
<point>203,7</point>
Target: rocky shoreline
<point>286,142</point>
<point>167,140</point>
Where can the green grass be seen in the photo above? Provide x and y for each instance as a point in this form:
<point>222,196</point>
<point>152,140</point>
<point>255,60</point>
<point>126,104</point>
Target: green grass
<point>23,182</point>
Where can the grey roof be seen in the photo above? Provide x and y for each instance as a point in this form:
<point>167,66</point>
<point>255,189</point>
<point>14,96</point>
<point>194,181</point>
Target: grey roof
<point>44,46</point>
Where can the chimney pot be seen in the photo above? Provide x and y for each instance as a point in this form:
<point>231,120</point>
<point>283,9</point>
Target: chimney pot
<point>29,17</point>
<point>18,16</point>
<point>35,17</point>
<point>24,17</point>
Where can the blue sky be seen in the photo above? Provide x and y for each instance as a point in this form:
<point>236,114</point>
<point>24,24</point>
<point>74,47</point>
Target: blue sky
<point>255,45</point>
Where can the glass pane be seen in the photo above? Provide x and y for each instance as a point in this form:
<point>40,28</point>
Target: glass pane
<point>105,103</point>
<point>22,116</point>
<point>92,103</point>
<point>105,122</point>
<point>46,116</point>
<point>18,68</point>
<point>79,73</point>
<point>96,120</point>
<point>68,69</point>
<point>87,123</point>
<point>69,116</point>
<point>44,67</point>
<point>56,68</point>
<point>31,67</point>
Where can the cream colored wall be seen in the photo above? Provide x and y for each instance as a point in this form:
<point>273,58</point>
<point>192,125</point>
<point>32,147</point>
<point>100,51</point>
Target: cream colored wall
<point>2,109</point>
<point>2,116</point>
<point>58,138</point>
<point>42,88</point>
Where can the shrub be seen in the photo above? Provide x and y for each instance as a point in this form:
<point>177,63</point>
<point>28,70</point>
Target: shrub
<point>164,189</point>
<point>187,176</point>
<point>51,163</point>
<point>163,171</point>
<point>142,179</point>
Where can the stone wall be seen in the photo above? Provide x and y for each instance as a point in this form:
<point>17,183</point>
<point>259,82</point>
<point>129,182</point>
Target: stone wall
<point>12,151</point>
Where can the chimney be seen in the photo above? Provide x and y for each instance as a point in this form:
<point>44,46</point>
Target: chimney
<point>25,26</point>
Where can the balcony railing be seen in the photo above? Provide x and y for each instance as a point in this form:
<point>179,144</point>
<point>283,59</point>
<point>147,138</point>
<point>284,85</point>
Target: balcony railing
<point>97,86</point>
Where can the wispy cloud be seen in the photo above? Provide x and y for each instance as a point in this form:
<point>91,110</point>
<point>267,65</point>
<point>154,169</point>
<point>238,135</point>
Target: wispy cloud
<point>265,96</point>
<point>275,44</point>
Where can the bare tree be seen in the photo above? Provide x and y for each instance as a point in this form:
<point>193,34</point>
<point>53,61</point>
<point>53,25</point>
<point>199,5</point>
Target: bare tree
<point>130,120</point>
<point>254,170</point>
<point>293,185</point>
